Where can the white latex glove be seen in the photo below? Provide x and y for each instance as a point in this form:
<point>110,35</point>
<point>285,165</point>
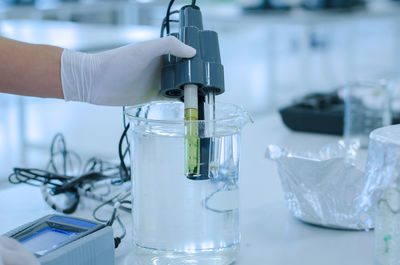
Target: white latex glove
<point>124,76</point>
<point>13,253</point>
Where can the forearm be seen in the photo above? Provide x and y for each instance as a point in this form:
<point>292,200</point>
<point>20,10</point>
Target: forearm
<point>30,70</point>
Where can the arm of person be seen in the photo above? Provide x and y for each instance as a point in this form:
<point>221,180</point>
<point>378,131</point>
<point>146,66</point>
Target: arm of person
<point>30,70</point>
<point>123,76</point>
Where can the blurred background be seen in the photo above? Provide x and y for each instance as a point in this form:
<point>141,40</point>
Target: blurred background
<point>273,52</point>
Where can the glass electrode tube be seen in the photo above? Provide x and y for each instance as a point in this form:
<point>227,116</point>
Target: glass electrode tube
<point>192,140</point>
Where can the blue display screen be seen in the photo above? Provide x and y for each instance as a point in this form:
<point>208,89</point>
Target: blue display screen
<point>47,239</point>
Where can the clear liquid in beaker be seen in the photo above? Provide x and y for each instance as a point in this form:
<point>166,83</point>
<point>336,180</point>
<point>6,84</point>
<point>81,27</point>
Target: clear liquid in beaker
<point>177,220</point>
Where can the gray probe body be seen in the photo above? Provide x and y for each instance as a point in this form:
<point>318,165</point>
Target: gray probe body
<point>204,69</point>
<point>203,73</point>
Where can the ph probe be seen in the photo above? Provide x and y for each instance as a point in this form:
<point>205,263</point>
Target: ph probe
<point>196,81</point>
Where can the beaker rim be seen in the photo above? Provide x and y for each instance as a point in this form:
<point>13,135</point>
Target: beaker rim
<point>240,114</point>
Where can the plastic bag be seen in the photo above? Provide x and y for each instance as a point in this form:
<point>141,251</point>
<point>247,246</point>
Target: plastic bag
<point>323,188</point>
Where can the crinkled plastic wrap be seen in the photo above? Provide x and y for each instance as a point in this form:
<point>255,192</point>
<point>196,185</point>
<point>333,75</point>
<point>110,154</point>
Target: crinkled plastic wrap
<point>383,168</point>
<point>324,187</point>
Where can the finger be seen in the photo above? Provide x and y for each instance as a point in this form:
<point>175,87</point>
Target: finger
<point>177,48</point>
<point>20,257</point>
<point>9,243</point>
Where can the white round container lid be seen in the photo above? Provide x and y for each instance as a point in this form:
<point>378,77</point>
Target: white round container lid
<point>388,134</point>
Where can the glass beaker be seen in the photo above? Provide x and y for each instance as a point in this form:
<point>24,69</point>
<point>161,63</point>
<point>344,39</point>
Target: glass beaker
<point>177,220</point>
<point>367,107</point>
<point>382,193</point>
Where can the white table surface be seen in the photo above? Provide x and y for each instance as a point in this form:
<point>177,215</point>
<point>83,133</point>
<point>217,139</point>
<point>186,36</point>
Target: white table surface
<point>75,36</point>
<point>269,234</point>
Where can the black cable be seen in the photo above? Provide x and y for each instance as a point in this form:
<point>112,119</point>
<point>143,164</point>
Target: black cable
<point>59,148</point>
<point>95,170</point>
<point>124,120</point>
<point>79,181</point>
<point>54,181</point>
<point>94,213</point>
<point>114,217</point>
<point>117,240</point>
<point>71,200</point>
<point>122,227</point>
<point>124,170</point>
<point>125,176</point>
<point>123,116</point>
<point>164,22</point>
<point>58,138</point>
<point>37,177</point>
<point>171,2</point>
<point>163,26</point>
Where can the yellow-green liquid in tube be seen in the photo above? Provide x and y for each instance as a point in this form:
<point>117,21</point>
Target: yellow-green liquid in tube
<point>192,143</point>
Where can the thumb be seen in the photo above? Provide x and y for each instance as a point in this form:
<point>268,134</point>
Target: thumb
<point>175,47</point>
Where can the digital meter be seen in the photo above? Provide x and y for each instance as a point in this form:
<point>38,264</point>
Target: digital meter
<point>62,240</point>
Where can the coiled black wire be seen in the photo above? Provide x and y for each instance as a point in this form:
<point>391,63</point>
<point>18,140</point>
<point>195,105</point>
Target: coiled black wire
<point>56,177</point>
<point>166,21</point>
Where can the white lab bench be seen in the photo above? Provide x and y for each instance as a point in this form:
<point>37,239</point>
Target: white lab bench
<point>270,235</point>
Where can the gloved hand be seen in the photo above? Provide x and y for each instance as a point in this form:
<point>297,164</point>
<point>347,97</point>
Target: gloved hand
<point>124,76</point>
<point>13,253</point>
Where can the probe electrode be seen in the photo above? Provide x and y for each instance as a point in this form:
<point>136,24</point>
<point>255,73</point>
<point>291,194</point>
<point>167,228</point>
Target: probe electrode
<point>196,81</point>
